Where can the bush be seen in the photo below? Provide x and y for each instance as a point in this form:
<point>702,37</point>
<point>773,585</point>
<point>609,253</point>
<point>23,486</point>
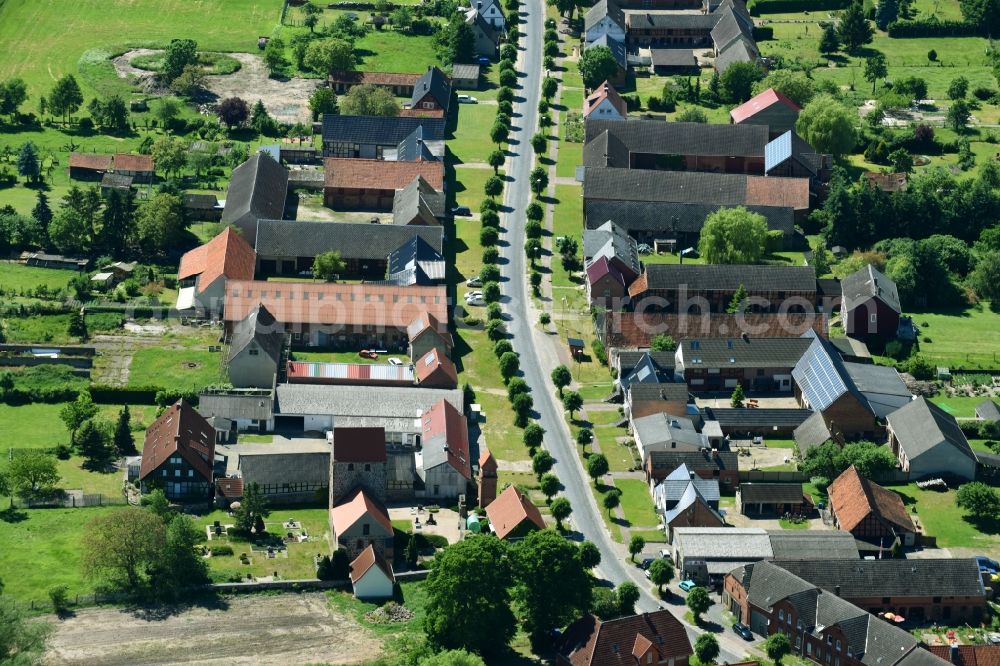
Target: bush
<point>983,93</point>
<point>490,256</point>
<point>932,28</point>
<point>472,320</point>
<point>222,550</point>
<point>59,596</point>
<point>599,353</point>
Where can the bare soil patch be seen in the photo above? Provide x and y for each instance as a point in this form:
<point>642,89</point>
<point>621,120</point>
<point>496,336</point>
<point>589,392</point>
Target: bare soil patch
<point>253,629</point>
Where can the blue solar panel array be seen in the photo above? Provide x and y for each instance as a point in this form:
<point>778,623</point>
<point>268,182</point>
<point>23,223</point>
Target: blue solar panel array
<point>777,151</point>
<point>817,377</point>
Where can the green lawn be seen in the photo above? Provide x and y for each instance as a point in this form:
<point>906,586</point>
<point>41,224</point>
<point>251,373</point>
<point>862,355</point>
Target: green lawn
<point>53,328</point>
<point>390,51</point>
<point>957,406</point>
<point>14,276</point>
<point>34,426</point>
<point>960,338</point>
<point>339,357</point>
<point>606,417</point>
<point>471,140</point>
<point>942,519</point>
<point>780,443</point>
<point>469,189</point>
<point>179,362</point>
<point>637,503</point>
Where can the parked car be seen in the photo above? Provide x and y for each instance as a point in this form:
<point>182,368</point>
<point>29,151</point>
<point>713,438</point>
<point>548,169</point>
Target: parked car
<point>986,565</point>
<point>664,553</point>
<point>483,60</point>
<point>646,562</point>
<point>743,631</point>
<point>474,281</point>
<point>475,300</point>
<point>469,295</point>
<point>394,361</point>
<point>467,99</point>
<point>687,585</point>
<point>461,211</point>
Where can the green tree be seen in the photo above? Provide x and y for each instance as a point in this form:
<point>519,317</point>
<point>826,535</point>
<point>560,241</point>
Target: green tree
<point>978,499</point>
<point>496,159</point>
<point>627,596</point>
<point>692,114</point>
<point>509,365</point>
<point>549,87</point>
<point>190,83</point>
<point>156,501</point>
<point>468,598</point>
<point>738,79</point>
<point>496,332</point>
<point>876,67</point>
<point>827,125</point>
<point>590,555</point>
<point>561,378</point>
<point>661,572</point>
<point>698,602</point>
<point>124,442</point>
<point>612,499</point>
<point>180,53</point>
<point>572,402</point>
<point>737,399</point>
<point>42,214</point>
<point>323,100</point>
<point>169,154</point>
<point>455,41</point>
<point>958,115</point>
<point>552,586</point>
<point>829,42</point>
<point>493,187</point>
<point>869,459</point>
<point>822,258</point>
<point>597,466</point>
<point>32,473</point>
<point>516,385</point>
<point>522,405</point>
<point>233,112</point>
<point>252,506</point>
<point>854,30</point>
<point>901,161</point>
<point>549,485</point>
<point>796,86</point>
<point>635,545</point>
<point>733,236</point>
<point>499,133</point>
<point>330,55</point>
<point>117,235</point>
<point>662,343</point>
<point>539,142</point>
<point>777,646</point>
<point>74,414</point>
<point>166,109</point>
<point>181,563</point>
<point>111,114</point>
<point>28,164</point>
<point>597,65</point>
<point>541,462</point>
<point>533,435</point>
<point>982,13</point>
<point>561,509</point>
<point>120,548</point>
<point>22,641</point>
<point>369,100</point>
<point>886,12</point>
<point>160,223</point>
<point>94,443</point>
<point>411,554</point>
<point>77,325</point>
<point>327,266</point>
<point>453,658</point>
<point>274,56</point>
<point>13,93</point>
<point>706,648</point>
<point>65,98</point>
<point>985,277</point>
<point>538,180</point>
<point>738,302</point>
<point>584,436</point>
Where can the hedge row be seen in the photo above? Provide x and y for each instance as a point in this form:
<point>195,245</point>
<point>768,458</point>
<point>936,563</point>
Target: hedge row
<point>120,395</point>
<point>757,7</point>
<point>932,29</point>
<point>763,33</point>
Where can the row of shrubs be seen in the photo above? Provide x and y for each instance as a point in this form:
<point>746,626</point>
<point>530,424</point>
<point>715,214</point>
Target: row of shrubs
<point>932,28</point>
<point>758,7</point>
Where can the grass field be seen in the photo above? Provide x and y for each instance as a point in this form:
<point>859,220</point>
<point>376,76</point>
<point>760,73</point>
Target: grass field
<point>960,338</point>
<point>942,519</point>
<point>637,503</point>
<point>34,426</point>
<point>179,362</point>
<point>53,328</point>
<point>471,140</point>
<point>957,406</point>
<point>14,276</point>
<point>469,188</point>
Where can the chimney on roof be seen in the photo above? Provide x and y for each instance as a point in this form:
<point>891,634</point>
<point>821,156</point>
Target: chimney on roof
<point>606,87</point>
<point>836,590</point>
<point>953,653</point>
<point>479,5</point>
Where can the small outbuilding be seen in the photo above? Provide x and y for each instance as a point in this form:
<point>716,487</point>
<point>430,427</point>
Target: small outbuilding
<point>465,76</point>
<point>372,576</point>
<point>770,498</point>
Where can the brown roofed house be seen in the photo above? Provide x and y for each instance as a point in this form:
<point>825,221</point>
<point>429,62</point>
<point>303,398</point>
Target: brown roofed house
<point>88,166</point>
<point>650,638</point>
<point>371,184</point>
<point>968,655</point>
<point>487,478</point>
<point>435,370</point>
<point>513,516</point>
<point>427,332</point>
<point>605,103</point>
<point>204,271</point>
<point>359,521</point>
<point>444,463</point>
<point>372,576</point>
<point>178,455</point>
<point>358,460</point>
<point>868,511</point>
<point>139,167</point>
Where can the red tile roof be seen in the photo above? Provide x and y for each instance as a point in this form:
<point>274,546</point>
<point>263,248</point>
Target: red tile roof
<point>591,642</point>
<point>443,420</point>
<point>365,561</point>
<point>181,430</point>
<point>130,162</point>
<point>375,78</point>
<point>357,174</point>
<point>229,488</point>
<point>228,254</point>
<point>335,304</point>
<point>427,322</point>
<point>435,370</point>
<point>89,161</point>
<point>359,445</point>
<point>853,498</point>
<point>968,655</point>
<point>637,329</point>
<point>760,102</point>
<point>421,113</point>
<point>510,509</point>
<point>486,461</point>
<point>356,506</point>
<point>605,91</point>
<point>782,192</point>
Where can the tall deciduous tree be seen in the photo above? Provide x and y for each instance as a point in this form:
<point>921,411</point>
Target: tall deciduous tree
<point>169,154</point>
<point>180,563</point>
<point>597,466</point>
<point>120,547</point>
<point>661,571</point>
<point>572,402</point>
<point>13,93</point>
<point>854,30</point>
<point>706,648</point>
<point>827,125</point>
<point>698,602</point>
<point>562,378</point>
<point>328,265</point>
<point>796,86</point>
<point>161,222</point>
<point>455,41</point>
<point>369,100</point>
<point>73,414</point>
<point>32,473</point>
<point>876,67</point>
<point>65,98</point>
<point>323,100</point>
<point>635,545</point>
<point>597,65</point>
<point>738,79</point>
<point>561,509</point>
<point>468,595</point>
<point>733,236</point>
<point>180,53</point>
<point>978,499</point>
<point>777,646</point>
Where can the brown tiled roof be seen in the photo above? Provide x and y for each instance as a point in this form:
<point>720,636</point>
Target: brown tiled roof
<point>421,113</point>
<point>487,461</point>
<point>365,561</point>
<point>130,162</point>
<point>227,254</point>
<point>591,642</point>
<point>436,370</point>
<point>603,92</point>
<point>510,509</point>
<point>181,430</point>
<point>428,322</point>
<point>968,655</point>
<point>353,173</point>
<point>374,78</point>
<point>229,488</point>
<point>354,507</point>
<point>853,498</point>
<point>90,161</point>
<point>637,329</point>
<point>359,445</point>
<point>442,423</point>
<point>335,304</point>
<point>769,191</point>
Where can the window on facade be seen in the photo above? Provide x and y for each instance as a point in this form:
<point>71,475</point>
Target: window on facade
<point>255,352</point>
<point>366,529</point>
<point>781,614</point>
<point>368,467</point>
<point>819,653</point>
<point>809,648</point>
<point>829,640</point>
<point>350,467</point>
<point>177,472</point>
<point>838,646</point>
<point>176,460</point>
<point>788,620</point>
<point>190,472</point>
<point>873,318</point>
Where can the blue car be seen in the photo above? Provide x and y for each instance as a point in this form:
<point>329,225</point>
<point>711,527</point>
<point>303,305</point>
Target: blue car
<point>687,585</point>
<point>986,565</point>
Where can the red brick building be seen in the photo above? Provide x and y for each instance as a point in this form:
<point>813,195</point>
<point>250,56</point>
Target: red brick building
<point>369,184</point>
<point>650,638</point>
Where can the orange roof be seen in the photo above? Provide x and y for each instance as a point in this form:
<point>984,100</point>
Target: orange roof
<point>335,304</point>
<point>375,78</point>
<point>427,322</point>
<point>853,498</point>
<point>229,488</point>
<point>605,91</point>
<point>356,506</point>
<point>228,254</point>
<point>509,510</point>
<point>774,191</point>
<point>445,425</point>
<point>760,102</point>
<point>487,461</point>
<point>435,370</point>
<point>181,430</point>
<point>90,161</point>
<point>130,162</point>
<point>353,173</point>
<point>421,113</point>
<point>365,561</point>
<point>968,655</point>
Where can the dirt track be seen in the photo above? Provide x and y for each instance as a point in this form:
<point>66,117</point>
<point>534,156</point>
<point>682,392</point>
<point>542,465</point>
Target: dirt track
<point>254,629</point>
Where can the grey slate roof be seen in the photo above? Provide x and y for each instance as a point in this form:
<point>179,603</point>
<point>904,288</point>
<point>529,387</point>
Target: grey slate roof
<point>771,493</point>
<point>724,543</point>
<point>644,372</point>
<point>258,187</point>
<point>628,359</point>
<point>601,9</point>
<point>617,47</point>
<point>640,20</point>
<point>465,71</point>
<point>666,391</point>
<point>740,50</point>
<point>987,410</point>
<point>663,138</point>
<point>868,283</point>
<point>814,545</point>
<point>688,498</point>
<point>696,460</point>
<point>606,150</point>
<point>920,426</point>
<point>720,189</point>
<point>811,433</point>
<point>612,242</point>
<point>740,353</point>
<point>397,409</point>
<point>673,58</point>
<point>665,218</point>
<point>236,406</point>
<point>417,258</point>
<point>261,326</point>
<point>666,431</point>
<point>414,148</point>
<point>418,197</point>
<point>891,578</point>
<point>729,27</point>
<point>379,130</point>
<point>435,83</point>
<point>673,487</point>
<point>728,278</point>
<point>882,386</point>
<point>756,419</point>
<point>296,238</point>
